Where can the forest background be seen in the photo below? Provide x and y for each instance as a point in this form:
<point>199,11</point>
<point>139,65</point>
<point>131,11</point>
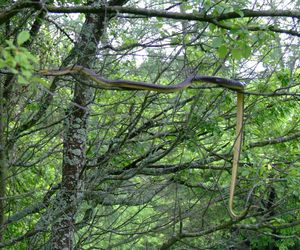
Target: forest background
<point>88,168</point>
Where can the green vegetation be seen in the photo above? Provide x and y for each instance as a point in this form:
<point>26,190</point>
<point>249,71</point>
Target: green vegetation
<point>89,168</point>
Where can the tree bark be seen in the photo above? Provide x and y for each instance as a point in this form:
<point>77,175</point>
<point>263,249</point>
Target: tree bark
<point>76,133</point>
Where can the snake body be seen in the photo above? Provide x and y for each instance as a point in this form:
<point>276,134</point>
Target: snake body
<point>138,85</point>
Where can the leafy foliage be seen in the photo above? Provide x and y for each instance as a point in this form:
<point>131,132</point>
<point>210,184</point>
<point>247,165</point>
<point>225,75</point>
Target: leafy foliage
<point>141,170</point>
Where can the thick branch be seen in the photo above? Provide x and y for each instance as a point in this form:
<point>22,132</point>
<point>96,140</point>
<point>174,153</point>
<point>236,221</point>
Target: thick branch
<point>14,9</point>
<point>174,15</point>
<point>267,225</point>
<point>275,140</point>
<point>148,12</point>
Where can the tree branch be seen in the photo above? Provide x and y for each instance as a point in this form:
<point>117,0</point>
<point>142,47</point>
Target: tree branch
<point>174,15</point>
<point>277,140</point>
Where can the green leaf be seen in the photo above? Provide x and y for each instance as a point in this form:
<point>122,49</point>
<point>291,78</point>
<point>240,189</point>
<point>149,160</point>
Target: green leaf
<point>41,81</point>
<point>217,42</point>
<point>23,37</point>
<point>21,79</point>
<point>129,41</point>
<point>2,63</point>
<point>245,172</point>
<point>246,51</point>
<point>26,73</point>
<point>236,53</point>
<point>10,44</point>
<point>222,51</point>
<point>30,56</point>
<point>212,27</point>
<point>284,78</point>
<point>21,59</point>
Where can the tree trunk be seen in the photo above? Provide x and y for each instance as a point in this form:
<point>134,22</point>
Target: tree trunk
<point>76,133</point>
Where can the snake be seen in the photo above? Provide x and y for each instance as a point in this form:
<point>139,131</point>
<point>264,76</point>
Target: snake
<point>234,85</point>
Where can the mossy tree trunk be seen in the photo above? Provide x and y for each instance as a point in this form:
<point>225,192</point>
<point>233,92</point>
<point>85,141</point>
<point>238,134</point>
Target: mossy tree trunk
<point>76,133</point>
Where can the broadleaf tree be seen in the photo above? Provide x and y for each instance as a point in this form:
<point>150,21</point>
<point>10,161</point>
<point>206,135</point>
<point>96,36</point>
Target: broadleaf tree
<point>83,167</point>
